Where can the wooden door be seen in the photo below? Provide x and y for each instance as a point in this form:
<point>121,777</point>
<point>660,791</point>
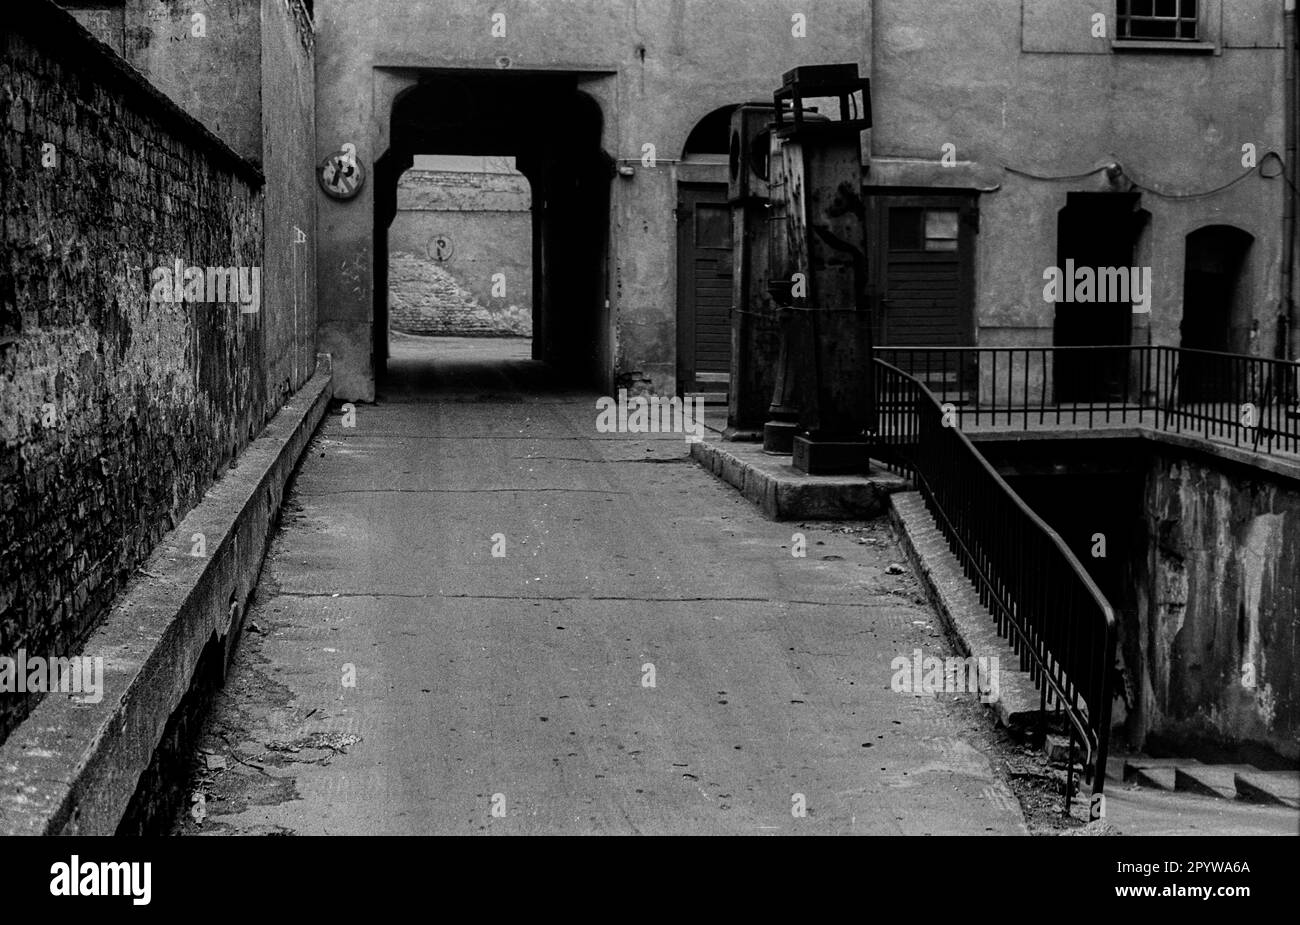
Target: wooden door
<point>921,271</point>
<point>704,277</point>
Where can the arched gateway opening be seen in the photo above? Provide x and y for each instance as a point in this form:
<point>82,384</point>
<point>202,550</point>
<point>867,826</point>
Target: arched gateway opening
<point>552,130</point>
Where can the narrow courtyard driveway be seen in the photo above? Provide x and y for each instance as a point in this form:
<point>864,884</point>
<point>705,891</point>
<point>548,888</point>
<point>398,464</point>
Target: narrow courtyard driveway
<point>647,655</point>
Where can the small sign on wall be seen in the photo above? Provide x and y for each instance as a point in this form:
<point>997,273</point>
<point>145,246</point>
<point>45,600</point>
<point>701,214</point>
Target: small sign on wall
<point>440,248</point>
<point>340,174</point>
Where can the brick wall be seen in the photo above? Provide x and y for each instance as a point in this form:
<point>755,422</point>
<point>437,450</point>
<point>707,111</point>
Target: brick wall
<point>116,413</point>
<point>482,285</point>
<point>425,298</point>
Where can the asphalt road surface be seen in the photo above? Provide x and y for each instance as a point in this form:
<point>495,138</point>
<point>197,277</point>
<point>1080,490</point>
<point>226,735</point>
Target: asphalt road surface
<point>646,657</point>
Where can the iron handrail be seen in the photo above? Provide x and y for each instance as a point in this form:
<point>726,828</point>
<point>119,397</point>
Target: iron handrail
<point>1247,401</point>
<point>1043,601</point>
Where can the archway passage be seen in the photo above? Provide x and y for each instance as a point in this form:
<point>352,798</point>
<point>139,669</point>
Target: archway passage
<point>552,130</point>
<point>1216,311</point>
<point>460,249</point>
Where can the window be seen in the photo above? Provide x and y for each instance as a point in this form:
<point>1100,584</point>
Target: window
<point>713,227</point>
<point>941,229</point>
<point>1158,20</point>
<point>914,229</point>
<point>712,134</point>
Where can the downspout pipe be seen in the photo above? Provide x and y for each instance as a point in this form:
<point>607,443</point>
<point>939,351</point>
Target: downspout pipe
<point>1288,346</point>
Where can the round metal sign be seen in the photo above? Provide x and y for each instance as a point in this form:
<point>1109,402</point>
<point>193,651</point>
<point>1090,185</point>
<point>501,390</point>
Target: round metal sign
<point>440,247</point>
<point>340,174</point>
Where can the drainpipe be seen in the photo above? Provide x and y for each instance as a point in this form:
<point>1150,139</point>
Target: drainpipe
<point>1289,340</point>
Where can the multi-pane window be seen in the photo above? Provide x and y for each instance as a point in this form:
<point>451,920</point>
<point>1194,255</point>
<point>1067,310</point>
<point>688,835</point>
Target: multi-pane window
<point>916,229</point>
<point>1159,20</point>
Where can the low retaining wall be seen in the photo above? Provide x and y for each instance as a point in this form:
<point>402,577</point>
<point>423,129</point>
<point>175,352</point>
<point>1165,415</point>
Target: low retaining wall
<point>72,767</point>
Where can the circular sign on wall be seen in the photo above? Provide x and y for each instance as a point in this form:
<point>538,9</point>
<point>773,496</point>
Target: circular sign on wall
<point>340,174</point>
<point>440,248</point>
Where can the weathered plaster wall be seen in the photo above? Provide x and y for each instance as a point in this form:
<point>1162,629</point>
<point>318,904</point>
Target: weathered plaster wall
<point>116,412</point>
<point>215,76</point>
<point>287,153</point>
<point>1025,85</point>
<point>670,63</point>
<point>1219,622</point>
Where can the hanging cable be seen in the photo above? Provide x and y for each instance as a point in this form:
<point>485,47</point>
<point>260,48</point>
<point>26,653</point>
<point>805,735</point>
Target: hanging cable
<point>1210,192</point>
<point>1151,189</point>
<point>1035,176</point>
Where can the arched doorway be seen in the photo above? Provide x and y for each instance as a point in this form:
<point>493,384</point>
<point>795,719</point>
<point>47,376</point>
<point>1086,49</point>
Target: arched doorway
<point>705,260</point>
<point>553,131</point>
<point>1216,311</point>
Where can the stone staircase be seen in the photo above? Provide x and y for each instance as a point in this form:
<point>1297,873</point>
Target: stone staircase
<point>1224,781</point>
<point>970,628</point>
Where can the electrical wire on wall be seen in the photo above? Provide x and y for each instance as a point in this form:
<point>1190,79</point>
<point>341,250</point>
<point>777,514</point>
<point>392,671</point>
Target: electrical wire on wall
<point>1116,171</point>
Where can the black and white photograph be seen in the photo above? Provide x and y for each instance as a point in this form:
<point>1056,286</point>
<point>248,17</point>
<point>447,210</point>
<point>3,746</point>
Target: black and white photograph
<point>426,418</point>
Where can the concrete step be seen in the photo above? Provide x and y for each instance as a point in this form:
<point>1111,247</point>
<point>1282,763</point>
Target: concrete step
<point>1115,767</point>
<point>1135,763</point>
<point>1158,778</point>
<point>784,493</point>
<point>1223,781</point>
<point>1211,780</point>
<point>1276,787</point>
<point>1159,773</point>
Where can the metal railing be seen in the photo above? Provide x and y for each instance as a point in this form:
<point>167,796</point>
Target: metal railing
<point>1248,402</point>
<point>1043,601</point>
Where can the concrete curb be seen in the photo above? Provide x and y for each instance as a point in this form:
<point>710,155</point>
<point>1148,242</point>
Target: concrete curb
<point>72,768</point>
<point>1186,441</point>
<point>784,493</point>
<point>969,623</point>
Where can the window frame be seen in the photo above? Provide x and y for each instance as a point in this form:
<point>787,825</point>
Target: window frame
<point>1208,27</point>
<point>1125,17</point>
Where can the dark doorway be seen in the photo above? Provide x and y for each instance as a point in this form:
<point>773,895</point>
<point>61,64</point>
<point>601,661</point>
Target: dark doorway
<point>1216,311</point>
<point>704,278</point>
<point>553,131</point>
<point>1097,230</point>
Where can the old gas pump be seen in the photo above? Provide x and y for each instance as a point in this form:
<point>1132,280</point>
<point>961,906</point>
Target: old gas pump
<point>754,166</point>
<point>823,409</point>
<point>755,328</point>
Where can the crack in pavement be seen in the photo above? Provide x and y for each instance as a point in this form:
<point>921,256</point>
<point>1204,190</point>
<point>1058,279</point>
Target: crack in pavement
<point>448,491</point>
<point>569,597</point>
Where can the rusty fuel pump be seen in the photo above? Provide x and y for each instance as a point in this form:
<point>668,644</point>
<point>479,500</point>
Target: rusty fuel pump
<point>823,407</point>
